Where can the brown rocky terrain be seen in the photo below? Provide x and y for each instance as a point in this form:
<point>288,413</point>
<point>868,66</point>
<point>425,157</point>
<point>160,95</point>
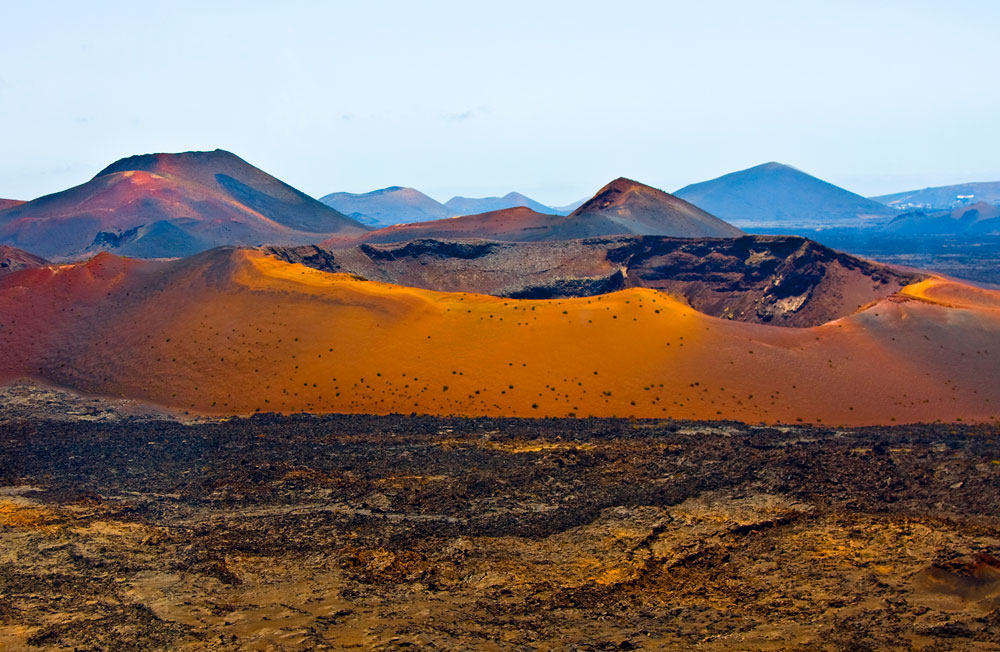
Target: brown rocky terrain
<point>782,280</point>
<point>13,259</point>
<point>389,533</point>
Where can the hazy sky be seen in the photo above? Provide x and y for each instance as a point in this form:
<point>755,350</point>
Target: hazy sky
<point>550,98</point>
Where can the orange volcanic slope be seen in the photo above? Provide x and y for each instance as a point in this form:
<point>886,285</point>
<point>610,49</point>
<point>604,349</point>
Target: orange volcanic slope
<point>234,331</point>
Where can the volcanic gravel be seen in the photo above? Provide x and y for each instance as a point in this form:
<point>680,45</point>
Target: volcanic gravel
<point>365,532</point>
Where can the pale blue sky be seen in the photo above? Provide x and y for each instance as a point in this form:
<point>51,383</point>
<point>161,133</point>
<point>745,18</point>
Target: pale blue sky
<point>550,98</point>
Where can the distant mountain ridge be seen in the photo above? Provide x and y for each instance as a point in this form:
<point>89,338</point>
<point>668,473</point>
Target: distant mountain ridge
<point>944,197</point>
<point>774,195</point>
<point>474,205</point>
<point>403,205</point>
<point>166,205</point>
<point>623,207</point>
<point>387,206</point>
<point>978,219</point>
<point>569,208</point>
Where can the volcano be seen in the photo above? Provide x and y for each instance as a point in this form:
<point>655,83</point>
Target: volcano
<point>626,206</point>
<point>164,205</point>
<point>775,195</point>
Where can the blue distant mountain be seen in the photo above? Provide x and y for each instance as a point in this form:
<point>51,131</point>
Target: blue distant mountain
<point>569,208</point>
<point>476,205</point>
<point>978,219</point>
<point>776,195</point>
<point>944,197</point>
<point>399,205</point>
<point>392,205</point>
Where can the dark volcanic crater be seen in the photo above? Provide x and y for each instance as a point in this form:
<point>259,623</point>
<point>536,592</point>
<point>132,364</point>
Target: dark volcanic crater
<point>781,280</point>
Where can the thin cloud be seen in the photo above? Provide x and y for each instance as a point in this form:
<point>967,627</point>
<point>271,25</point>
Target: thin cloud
<point>467,115</point>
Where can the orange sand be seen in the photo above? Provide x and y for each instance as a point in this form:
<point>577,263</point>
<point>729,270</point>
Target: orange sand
<point>234,332</point>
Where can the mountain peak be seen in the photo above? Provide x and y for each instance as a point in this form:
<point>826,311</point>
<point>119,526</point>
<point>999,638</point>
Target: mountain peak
<point>478,205</point>
<point>774,165</point>
<point>387,206</point>
<point>159,160</point>
<point>645,210</point>
<point>162,205</point>
<point>614,193</point>
<point>9,203</point>
<point>624,184</point>
<point>773,194</point>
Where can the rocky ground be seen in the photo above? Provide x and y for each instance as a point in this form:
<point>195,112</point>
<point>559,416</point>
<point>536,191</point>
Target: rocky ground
<point>353,532</point>
<point>974,258</point>
<point>27,401</point>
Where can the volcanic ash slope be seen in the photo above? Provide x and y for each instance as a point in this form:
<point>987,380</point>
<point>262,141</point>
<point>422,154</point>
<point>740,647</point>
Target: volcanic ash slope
<point>236,331</point>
